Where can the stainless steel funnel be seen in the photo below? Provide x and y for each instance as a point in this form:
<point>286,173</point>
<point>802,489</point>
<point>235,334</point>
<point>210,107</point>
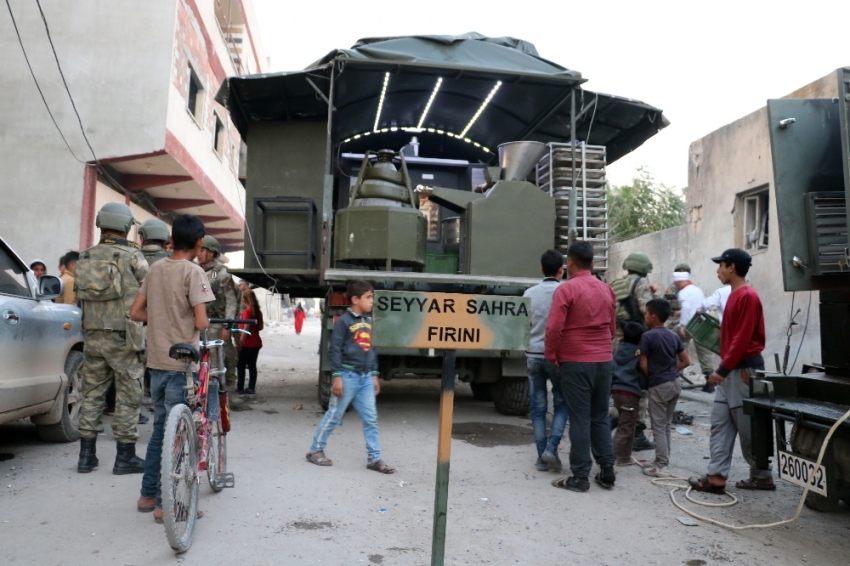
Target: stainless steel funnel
<point>518,158</point>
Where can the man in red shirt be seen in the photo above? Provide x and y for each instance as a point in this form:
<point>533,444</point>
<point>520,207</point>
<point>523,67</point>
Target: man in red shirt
<point>582,323</point>
<point>741,343</point>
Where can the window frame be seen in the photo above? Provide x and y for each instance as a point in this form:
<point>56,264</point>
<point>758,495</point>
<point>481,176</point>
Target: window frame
<point>194,79</point>
<point>219,135</point>
<point>753,234</point>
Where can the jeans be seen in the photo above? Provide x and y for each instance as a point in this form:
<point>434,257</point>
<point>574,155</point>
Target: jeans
<point>167,390</point>
<point>539,372</point>
<point>357,389</point>
<point>662,407</point>
<point>587,387</point>
<point>247,359</point>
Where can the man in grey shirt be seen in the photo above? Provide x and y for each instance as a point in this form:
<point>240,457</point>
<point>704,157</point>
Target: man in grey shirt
<point>540,371</point>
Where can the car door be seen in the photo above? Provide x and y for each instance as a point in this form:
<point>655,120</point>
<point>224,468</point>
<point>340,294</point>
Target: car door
<point>31,348</point>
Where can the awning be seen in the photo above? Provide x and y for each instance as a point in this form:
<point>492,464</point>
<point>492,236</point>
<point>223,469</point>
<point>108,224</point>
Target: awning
<point>460,96</point>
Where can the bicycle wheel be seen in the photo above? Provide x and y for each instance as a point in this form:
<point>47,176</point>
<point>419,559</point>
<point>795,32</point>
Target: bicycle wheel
<point>216,455</point>
<point>179,478</point>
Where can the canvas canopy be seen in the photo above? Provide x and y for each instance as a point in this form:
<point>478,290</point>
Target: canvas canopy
<point>461,96</point>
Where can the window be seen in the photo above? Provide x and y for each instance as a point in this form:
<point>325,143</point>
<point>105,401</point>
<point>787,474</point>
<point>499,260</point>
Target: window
<point>195,100</point>
<point>755,220</point>
<point>432,214</point>
<point>13,279</point>
<point>219,136</point>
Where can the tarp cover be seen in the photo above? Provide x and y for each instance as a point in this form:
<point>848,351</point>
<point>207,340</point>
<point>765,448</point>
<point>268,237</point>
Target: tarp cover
<point>530,98</point>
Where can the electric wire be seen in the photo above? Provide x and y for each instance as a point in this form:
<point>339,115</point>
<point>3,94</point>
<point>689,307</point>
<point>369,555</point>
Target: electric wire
<point>803,337</point>
<point>38,86</point>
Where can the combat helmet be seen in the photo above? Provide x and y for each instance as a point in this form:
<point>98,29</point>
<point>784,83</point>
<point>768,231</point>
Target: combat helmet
<point>155,229</point>
<point>115,216</point>
<point>639,263</point>
<point>682,267</point>
<point>212,245</point>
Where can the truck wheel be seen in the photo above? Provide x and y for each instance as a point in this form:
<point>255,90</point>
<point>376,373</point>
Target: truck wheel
<point>482,391</point>
<point>821,503</point>
<point>510,395</point>
<point>72,400</point>
<point>325,384</point>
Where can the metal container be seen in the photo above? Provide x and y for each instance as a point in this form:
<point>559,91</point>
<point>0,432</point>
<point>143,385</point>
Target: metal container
<point>451,235</point>
<point>517,159</point>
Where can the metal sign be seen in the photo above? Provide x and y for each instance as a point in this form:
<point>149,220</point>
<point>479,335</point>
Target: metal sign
<point>450,321</point>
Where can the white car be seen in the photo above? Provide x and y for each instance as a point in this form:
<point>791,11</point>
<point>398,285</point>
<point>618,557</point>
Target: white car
<point>41,351</point>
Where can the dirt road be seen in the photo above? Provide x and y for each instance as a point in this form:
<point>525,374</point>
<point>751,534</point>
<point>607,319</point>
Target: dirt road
<point>285,510</point>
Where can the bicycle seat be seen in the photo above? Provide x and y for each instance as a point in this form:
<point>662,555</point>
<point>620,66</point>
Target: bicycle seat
<point>184,352</point>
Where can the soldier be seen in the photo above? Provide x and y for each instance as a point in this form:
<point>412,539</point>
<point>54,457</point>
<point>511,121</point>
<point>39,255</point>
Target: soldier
<point>633,291</point>
<point>684,308</point>
<point>107,280</point>
<point>155,237</point>
<point>225,304</point>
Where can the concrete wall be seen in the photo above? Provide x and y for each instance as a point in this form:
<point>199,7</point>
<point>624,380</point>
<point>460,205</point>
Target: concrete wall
<point>732,160</point>
<point>117,62</point>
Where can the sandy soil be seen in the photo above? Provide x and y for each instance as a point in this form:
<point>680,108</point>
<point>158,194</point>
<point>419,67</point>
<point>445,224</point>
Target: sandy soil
<point>284,510</point>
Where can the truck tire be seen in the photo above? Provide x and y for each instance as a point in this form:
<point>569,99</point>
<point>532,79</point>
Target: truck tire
<point>72,400</point>
<point>510,395</point>
<point>482,391</point>
<point>821,503</point>
<point>325,384</point>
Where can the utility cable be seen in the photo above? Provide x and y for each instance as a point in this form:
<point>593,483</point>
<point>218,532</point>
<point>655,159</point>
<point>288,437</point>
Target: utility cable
<point>38,86</point>
<point>803,337</point>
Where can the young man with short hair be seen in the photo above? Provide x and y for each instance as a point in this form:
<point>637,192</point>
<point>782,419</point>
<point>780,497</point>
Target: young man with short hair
<point>69,295</point>
<point>541,371</point>
<point>582,323</point>
<point>742,339</point>
<point>172,301</point>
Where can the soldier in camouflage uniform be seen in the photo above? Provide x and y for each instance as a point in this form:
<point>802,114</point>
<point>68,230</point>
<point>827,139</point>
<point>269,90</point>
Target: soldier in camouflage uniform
<point>633,291</point>
<point>155,237</point>
<point>225,305</point>
<point>107,280</point>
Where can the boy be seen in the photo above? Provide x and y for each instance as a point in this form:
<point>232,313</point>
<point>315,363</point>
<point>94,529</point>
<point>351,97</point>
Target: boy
<point>172,301</point>
<point>627,385</point>
<point>541,371</point>
<point>354,364</point>
<point>742,340</point>
<point>662,357</point>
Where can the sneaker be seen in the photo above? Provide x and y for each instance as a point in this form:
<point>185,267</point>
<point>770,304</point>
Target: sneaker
<point>707,388</point>
<point>642,443</point>
<point>240,391</point>
<point>541,465</point>
<point>143,419</point>
<point>657,472</point>
<point>553,461</point>
<point>249,392</point>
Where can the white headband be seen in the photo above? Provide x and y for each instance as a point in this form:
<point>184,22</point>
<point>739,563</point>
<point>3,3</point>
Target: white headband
<point>681,276</point>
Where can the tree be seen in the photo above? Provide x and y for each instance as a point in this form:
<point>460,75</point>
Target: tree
<point>643,207</point>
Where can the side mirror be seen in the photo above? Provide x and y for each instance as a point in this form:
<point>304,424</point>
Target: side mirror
<point>49,288</point>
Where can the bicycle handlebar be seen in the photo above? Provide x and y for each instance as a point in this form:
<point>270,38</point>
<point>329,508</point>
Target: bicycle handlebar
<point>233,321</point>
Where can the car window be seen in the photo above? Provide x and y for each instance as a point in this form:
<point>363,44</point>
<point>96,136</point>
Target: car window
<point>13,280</point>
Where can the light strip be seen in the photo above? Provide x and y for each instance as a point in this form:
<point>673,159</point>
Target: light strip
<point>381,102</point>
<point>430,100</point>
<point>481,109</point>
<point>413,129</point>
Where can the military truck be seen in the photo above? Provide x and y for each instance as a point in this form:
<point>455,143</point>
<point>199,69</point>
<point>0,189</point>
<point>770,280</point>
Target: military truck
<point>495,155</point>
<point>810,143</point>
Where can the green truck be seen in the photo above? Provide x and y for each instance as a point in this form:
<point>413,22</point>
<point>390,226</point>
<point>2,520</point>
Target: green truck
<point>495,155</point>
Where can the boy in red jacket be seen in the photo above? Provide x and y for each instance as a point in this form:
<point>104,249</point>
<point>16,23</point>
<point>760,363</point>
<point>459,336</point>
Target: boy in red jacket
<point>741,343</point>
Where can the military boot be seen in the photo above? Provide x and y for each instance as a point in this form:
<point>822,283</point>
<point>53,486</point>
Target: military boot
<point>641,442</point>
<point>88,460</point>
<point>707,388</point>
<point>126,461</point>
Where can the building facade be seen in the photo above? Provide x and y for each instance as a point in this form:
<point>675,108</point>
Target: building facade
<point>730,203</point>
<point>143,77</point>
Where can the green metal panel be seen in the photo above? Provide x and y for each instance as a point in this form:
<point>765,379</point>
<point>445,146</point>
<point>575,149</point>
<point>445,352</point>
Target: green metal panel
<point>286,159</point>
<point>379,233</point>
<point>441,263</point>
<point>450,321</point>
<point>807,158</point>
<point>844,114</point>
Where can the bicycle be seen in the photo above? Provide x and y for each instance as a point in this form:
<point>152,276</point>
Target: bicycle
<point>195,438</point>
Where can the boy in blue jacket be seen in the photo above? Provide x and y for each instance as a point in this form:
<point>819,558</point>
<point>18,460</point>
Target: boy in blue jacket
<point>626,386</point>
<point>354,366</point>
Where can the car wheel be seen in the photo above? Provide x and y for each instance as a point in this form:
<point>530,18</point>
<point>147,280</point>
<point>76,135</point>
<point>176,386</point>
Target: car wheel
<point>66,430</point>
<point>510,395</point>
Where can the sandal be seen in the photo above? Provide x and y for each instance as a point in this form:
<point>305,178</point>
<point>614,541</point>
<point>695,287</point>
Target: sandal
<point>319,459</point>
<point>756,484</point>
<point>379,466</point>
<point>572,483</point>
<point>701,484</point>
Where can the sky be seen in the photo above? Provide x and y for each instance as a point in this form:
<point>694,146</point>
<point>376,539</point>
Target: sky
<point>705,64</point>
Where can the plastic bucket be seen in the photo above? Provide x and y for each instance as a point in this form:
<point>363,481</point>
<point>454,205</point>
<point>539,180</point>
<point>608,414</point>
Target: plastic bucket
<point>705,330</point>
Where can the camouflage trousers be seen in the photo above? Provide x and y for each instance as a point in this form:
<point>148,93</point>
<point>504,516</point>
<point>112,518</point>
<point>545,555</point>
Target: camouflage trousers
<point>107,361</point>
<point>230,355</point>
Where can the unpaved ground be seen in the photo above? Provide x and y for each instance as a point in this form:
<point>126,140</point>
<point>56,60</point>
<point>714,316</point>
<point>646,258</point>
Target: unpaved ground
<point>284,510</point>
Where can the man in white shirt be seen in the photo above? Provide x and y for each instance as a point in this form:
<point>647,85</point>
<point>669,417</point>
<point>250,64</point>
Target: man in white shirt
<point>717,300</point>
<point>691,299</point>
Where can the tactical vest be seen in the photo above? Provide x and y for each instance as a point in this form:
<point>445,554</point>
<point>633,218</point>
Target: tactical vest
<point>217,276</point>
<point>154,253</point>
<point>672,297</point>
<point>106,284</point>
<point>627,305</point>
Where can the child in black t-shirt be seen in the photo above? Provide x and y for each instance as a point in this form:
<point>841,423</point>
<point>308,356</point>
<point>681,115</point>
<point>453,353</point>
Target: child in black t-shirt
<point>662,357</point>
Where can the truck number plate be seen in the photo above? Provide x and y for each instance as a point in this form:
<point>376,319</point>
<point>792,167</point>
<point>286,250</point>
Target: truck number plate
<point>800,471</point>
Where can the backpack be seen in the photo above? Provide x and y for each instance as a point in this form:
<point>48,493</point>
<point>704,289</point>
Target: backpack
<point>627,305</point>
<point>98,278</point>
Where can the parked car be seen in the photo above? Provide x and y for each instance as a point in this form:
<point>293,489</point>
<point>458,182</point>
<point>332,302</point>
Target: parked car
<point>41,351</point>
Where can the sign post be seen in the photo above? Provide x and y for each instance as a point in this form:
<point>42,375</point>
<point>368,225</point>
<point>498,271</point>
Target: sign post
<point>448,322</point>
